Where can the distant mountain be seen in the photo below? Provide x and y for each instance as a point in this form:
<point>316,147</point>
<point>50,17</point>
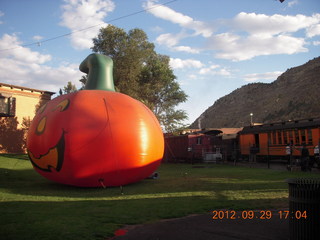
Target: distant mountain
<point>294,95</point>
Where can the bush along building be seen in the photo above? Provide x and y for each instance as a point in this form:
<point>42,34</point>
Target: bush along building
<point>18,106</point>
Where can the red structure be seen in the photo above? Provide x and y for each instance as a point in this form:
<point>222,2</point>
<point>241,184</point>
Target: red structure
<point>205,145</point>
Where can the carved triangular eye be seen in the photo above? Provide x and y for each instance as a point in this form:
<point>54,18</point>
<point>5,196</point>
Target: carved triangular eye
<point>42,108</point>
<point>41,126</point>
<point>63,105</point>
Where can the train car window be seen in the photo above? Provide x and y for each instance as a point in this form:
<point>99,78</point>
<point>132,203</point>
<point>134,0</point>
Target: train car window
<point>269,138</point>
<point>256,139</point>
<point>279,137</point>
<point>285,137</point>
<point>297,138</point>
<point>291,137</point>
<point>274,137</point>
<point>303,135</point>
<point>199,141</point>
<point>309,136</point>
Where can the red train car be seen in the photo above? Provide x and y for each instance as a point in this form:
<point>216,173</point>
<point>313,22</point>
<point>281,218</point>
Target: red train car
<point>187,148</point>
<point>203,145</point>
<point>273,139</point>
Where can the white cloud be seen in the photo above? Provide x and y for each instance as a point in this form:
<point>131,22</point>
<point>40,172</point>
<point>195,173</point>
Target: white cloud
<point>82,14</point>
<point>1,14</point>
<point>214,70</point>
<point>20,53</point>
<point>185,49</point>
<point>177,63</point>
<point>259,34</point>
<point>262,76</point>
<point>185,21</point>
<point>263,24</point>
<point>24,67</point>
<point>157,29</point>
<point>292,3</point>
<point>313,31</point>
<point>208,70</point>
<point>238,48</point>
<point>193,76</point>
<point>171,40</point>
<point>37,38</point>
<point>250,34</point>
<point>316,43</point>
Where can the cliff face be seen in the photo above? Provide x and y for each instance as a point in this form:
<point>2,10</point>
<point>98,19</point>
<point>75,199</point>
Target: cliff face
<point>294,95</point>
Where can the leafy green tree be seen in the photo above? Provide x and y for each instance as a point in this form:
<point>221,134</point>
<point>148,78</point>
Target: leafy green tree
<point>142,73</point>
<point>69,88</point>
<point>128,51</point>
<point>83,81</point>
<point>161,93</point>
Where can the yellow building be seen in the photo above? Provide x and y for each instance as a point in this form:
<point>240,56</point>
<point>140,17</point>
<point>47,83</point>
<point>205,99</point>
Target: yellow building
<point>18,106</point>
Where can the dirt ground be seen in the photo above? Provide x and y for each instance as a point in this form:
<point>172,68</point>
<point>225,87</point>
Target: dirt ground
<point>203,227</point>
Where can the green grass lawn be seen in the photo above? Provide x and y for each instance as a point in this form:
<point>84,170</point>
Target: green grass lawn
<point>35,208</point>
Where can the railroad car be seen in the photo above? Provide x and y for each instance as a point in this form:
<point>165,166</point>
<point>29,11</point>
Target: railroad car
<point>274,139</point>
<point>187,148</point>
<point>201,145</point>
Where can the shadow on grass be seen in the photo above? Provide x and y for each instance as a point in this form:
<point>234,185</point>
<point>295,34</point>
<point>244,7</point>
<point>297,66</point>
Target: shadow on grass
<point>98,219</point>
<point>26,182</point>
<point>15,156</point>
<point>35,208</point>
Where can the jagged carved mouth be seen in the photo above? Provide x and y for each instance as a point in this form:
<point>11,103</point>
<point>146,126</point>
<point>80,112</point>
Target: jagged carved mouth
<point>53,159</point>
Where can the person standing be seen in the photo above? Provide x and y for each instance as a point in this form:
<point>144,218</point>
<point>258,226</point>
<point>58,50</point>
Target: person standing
<point>253,153</point>
<point>288,153</point>
<point>316,155</point>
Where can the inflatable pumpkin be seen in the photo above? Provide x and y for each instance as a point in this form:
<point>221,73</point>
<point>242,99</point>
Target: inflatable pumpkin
<point>96,136</point>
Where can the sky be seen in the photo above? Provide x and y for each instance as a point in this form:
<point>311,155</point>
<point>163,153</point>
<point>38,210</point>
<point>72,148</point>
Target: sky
<point>214,46</point>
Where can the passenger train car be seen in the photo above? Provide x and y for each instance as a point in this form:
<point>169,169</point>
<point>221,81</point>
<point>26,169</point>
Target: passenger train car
<point>272,139</point>
<point>266,141</point>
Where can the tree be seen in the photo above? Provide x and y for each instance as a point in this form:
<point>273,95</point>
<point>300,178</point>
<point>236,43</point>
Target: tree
<point>68,89</point>
<point>83,81</point>
<point>161,93</point>
<point>142,73</point>
<point>128,51</point>
<point>11,135</point>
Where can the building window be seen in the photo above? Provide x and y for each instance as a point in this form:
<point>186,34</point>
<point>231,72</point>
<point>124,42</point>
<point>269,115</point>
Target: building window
<point>309,136</point>
<point>199,140</point>
<point>7,106</point>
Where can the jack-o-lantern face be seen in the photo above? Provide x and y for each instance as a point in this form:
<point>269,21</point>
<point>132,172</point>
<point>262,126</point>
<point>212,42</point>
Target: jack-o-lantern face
<point>95,137</point>
<point>53,158</point>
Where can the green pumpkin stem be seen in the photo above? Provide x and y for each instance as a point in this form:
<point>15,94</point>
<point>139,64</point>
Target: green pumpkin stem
<point>99,69</point>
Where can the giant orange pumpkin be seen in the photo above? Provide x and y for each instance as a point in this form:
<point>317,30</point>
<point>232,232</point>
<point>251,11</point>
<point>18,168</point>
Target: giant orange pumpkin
<point>95,137</point>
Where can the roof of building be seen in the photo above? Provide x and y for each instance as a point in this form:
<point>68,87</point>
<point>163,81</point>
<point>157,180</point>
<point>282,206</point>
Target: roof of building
<point>25,88</point>
<point>226,133</point>
<point>303,123</point>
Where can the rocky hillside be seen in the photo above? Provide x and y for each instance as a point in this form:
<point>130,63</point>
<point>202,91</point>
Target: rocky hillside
<point>294,95</point>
